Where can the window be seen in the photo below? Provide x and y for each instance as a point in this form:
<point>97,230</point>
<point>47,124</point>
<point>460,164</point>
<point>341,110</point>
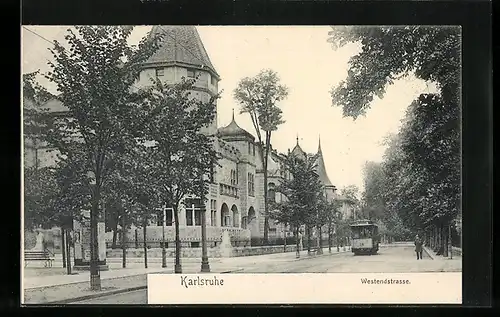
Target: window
<point>189,216</point>
<point>197,217</point>
<point>271,193</point>
<point>244,222</point>
<point>160,72</point>
<point>193,212</point>
<point>191,73</point>
<point>213,80</point>
<point>227,221</point>
<point>213,212</point>
<point>253,150</point>
<point>212,174</point>
<point>233,177</point>
<point>251,189</point>
<point>195,244</point>
<point>249,148</point>
<point>168,216</point>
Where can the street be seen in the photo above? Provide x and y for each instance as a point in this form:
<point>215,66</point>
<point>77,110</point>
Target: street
<point>389,259</point>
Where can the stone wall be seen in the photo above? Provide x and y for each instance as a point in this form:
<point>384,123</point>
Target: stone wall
<point>196,252</point>
<point>154,235</point>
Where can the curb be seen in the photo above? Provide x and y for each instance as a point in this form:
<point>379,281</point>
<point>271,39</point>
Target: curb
<point>116,291</point>
<point>92,296</point>
<point>428,252</point>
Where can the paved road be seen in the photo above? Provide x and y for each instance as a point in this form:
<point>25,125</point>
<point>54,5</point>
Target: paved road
<point>390,260</point>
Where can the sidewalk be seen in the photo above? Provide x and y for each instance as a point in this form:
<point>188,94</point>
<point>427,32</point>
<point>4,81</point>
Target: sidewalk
<point>60,288</point>
<point>447,264</point>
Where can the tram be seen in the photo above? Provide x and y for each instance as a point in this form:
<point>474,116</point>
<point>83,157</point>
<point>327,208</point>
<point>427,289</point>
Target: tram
<point>365,237</point>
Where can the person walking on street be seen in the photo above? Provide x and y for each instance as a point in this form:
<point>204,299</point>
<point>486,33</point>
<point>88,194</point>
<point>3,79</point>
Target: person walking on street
<point>418,247</point>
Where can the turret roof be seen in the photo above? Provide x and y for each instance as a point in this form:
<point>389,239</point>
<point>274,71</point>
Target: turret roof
<point>233,129</point>
<point>321,169</point>
<point>297,150</point>
<point>183,45</point>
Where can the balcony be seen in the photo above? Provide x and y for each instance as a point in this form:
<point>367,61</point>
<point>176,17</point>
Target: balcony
<point>228,190</point>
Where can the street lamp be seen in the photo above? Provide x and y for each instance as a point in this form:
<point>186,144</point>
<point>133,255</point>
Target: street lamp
<point>95,278</point>
<point>205,266</point>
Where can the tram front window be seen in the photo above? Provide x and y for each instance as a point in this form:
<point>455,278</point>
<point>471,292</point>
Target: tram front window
<point>362,233</point>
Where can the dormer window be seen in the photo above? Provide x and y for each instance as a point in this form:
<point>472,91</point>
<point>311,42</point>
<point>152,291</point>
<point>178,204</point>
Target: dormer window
<point>191,73</point>
<point>160,72</point>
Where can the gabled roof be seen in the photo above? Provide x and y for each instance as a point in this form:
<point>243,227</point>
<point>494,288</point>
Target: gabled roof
<point>181,45</point>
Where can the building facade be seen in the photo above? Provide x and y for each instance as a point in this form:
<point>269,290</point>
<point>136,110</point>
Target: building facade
<point>235,201</point>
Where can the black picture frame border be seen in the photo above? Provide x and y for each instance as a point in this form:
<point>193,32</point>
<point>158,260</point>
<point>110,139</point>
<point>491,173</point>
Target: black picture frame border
<point>477,111</point>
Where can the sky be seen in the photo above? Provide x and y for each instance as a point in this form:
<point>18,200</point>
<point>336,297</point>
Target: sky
<point>307,65</point>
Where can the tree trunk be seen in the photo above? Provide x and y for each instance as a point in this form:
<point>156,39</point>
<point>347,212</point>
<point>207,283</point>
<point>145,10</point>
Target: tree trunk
<point>435,238</point>
<point>144,243</point>
<point>297,242</point>
<point>63,246</point>
<point>284,238</point>
<point>450,243</point>
<point>115,232</point>
<point>95,277</point>
<point>178,266</point>
<point>68,252</point>
<point>124,246</point>
<point>266,203</point>
<point>308,240</point>
<point>446,242</point>
<point>136,239</point>
<point>320,242</point>
<point>266,206</point>
<point>329,238</point>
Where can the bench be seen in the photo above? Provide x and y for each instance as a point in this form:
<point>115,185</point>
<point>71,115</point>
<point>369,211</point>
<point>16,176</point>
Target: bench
<point>45,256</point>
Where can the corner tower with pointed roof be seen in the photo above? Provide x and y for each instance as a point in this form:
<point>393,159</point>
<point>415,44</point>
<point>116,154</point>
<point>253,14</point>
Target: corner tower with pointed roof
<point>329,188</point>
<point>182,54</point>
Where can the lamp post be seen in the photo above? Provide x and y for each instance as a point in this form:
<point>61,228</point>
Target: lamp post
<point>95,278</point>
<point>163,250</point>
<point>205,266</point>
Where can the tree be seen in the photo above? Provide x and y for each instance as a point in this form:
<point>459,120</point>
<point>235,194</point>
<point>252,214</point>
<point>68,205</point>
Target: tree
<point>259,97</point>
<point>302,192</point>
<point>373,194</point>
<point>328,215</point>
<point>177,154</point>
<point>388,53</point>
<point>94,77</point>
<point>425,177</point>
